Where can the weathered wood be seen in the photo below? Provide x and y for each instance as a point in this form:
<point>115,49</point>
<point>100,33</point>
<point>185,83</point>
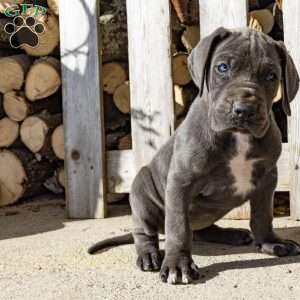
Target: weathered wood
<point>226,13</point>
<point>150,77</point>
<point>84,146</point>
<point>291,9</point>
<point>120,171</point>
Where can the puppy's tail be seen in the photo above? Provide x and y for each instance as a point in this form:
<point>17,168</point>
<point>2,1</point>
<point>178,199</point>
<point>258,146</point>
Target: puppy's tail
<point>115,241</point>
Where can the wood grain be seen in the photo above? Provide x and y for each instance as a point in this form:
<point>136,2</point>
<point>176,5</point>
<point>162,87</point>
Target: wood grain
<point>291,12</point>
<point>151,88</point>
<point>83,109</point>
<point>226,13</point>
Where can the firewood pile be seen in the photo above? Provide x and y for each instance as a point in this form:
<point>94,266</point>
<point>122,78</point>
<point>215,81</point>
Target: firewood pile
<point>31,129</point>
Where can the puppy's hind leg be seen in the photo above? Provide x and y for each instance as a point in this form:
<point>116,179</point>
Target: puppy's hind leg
<point>147,218</point>
<point>228,236</point>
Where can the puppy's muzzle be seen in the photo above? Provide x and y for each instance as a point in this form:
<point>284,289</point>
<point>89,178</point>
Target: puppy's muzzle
<point>244,111</point>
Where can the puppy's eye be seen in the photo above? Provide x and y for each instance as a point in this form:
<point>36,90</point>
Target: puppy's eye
<point>270,76</point>
<point>223,68</point>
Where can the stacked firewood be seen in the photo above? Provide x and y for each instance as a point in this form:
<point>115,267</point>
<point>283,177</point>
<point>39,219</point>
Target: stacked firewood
<point>31,130</point>
<point>264,15</point>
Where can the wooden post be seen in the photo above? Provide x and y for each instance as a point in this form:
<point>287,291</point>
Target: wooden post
<point>226,13</point>
<point>152,109</point>
<point>291,13</point>
<point>229,14</point>
<point>83,109</point>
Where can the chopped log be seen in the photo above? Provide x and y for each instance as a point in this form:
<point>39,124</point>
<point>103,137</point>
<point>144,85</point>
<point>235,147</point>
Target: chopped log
<point>277,13</point>
<point>125,142</point>
<point>21,175</point>
<point>187,11</point>
<point>48,38</point>
<point>9,132</point>
<point>181,74</point>
<point>5,4</point>
<point>122,97</point>
<point>113,26</point>
<point>17,108</point>
<point>180,100</point>
<point>114,119</point>
<point>190,37</point>
<point>264,18</point>
<point>13,71</point>
<point>61,177</point>
<point>4,36</point>
<point>58,142</point>
<point>53,183</point>
<point>112,139</point>
<point>278,96</point>
<point>54,6</point>
<point>2,112</point>
<point>113,76</point>
<point>36,133</point>
<point>43,78</point>
<point>183,97</point>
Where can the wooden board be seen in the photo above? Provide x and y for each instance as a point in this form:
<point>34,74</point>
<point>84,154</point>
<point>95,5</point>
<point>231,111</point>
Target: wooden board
<point>226,13</point>
<point>120,171</point>
<point>83,109</point>
<point>291,13</point>
<point>152,108</point>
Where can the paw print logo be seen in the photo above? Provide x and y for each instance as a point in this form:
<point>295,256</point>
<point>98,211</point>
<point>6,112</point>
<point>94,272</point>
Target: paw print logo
<point>24,31</point>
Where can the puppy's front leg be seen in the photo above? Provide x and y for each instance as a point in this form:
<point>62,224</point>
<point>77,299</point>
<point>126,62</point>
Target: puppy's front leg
<point>261,220</point>
<point>178,264</point>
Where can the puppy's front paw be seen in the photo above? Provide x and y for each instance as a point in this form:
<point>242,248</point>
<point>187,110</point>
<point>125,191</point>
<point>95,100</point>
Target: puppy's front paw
<point>281,248</point>
<point>179,268</point>
<point>149,261</point>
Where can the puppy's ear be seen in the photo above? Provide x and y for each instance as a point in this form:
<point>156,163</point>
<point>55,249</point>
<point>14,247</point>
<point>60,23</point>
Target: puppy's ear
<point>290,78</point>
<point>200,57</point>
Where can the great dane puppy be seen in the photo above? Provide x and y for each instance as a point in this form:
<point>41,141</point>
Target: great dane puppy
<point>223,154</point>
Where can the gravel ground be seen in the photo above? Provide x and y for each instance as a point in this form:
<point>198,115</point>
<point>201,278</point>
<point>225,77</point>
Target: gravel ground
<point>44,257</point>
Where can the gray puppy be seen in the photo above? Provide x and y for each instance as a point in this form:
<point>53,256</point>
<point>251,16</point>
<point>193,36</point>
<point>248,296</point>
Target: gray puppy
<point>223,154</point>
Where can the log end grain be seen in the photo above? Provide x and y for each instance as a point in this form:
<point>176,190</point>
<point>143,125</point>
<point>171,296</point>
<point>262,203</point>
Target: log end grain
<point>12,178</point>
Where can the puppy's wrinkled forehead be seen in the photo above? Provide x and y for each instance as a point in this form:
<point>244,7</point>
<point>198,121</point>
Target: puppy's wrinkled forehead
<point>244,44</point>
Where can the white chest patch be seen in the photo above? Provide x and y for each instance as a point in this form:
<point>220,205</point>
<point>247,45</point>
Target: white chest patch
<point>241,167</point>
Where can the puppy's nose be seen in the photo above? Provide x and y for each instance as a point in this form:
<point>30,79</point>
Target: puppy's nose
<point>244,110</point>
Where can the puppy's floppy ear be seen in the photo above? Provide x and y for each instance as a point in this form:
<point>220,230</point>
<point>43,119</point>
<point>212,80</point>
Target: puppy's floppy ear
<point>290,78</point>
<point>200,57</point>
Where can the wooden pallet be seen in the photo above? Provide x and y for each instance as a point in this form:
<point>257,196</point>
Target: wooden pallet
<point>91,171</point>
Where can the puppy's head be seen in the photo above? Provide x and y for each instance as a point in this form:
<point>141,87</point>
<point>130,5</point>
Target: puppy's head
<point>241,72</point>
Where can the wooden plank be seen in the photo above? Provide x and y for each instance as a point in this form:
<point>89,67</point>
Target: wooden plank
<point>291,9</point>
<point>83,110</point>
<point>152,108</point>
<point>229,14</point>
<point>226,13</point>
<point>284,169</point>
<point>120,172</point>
